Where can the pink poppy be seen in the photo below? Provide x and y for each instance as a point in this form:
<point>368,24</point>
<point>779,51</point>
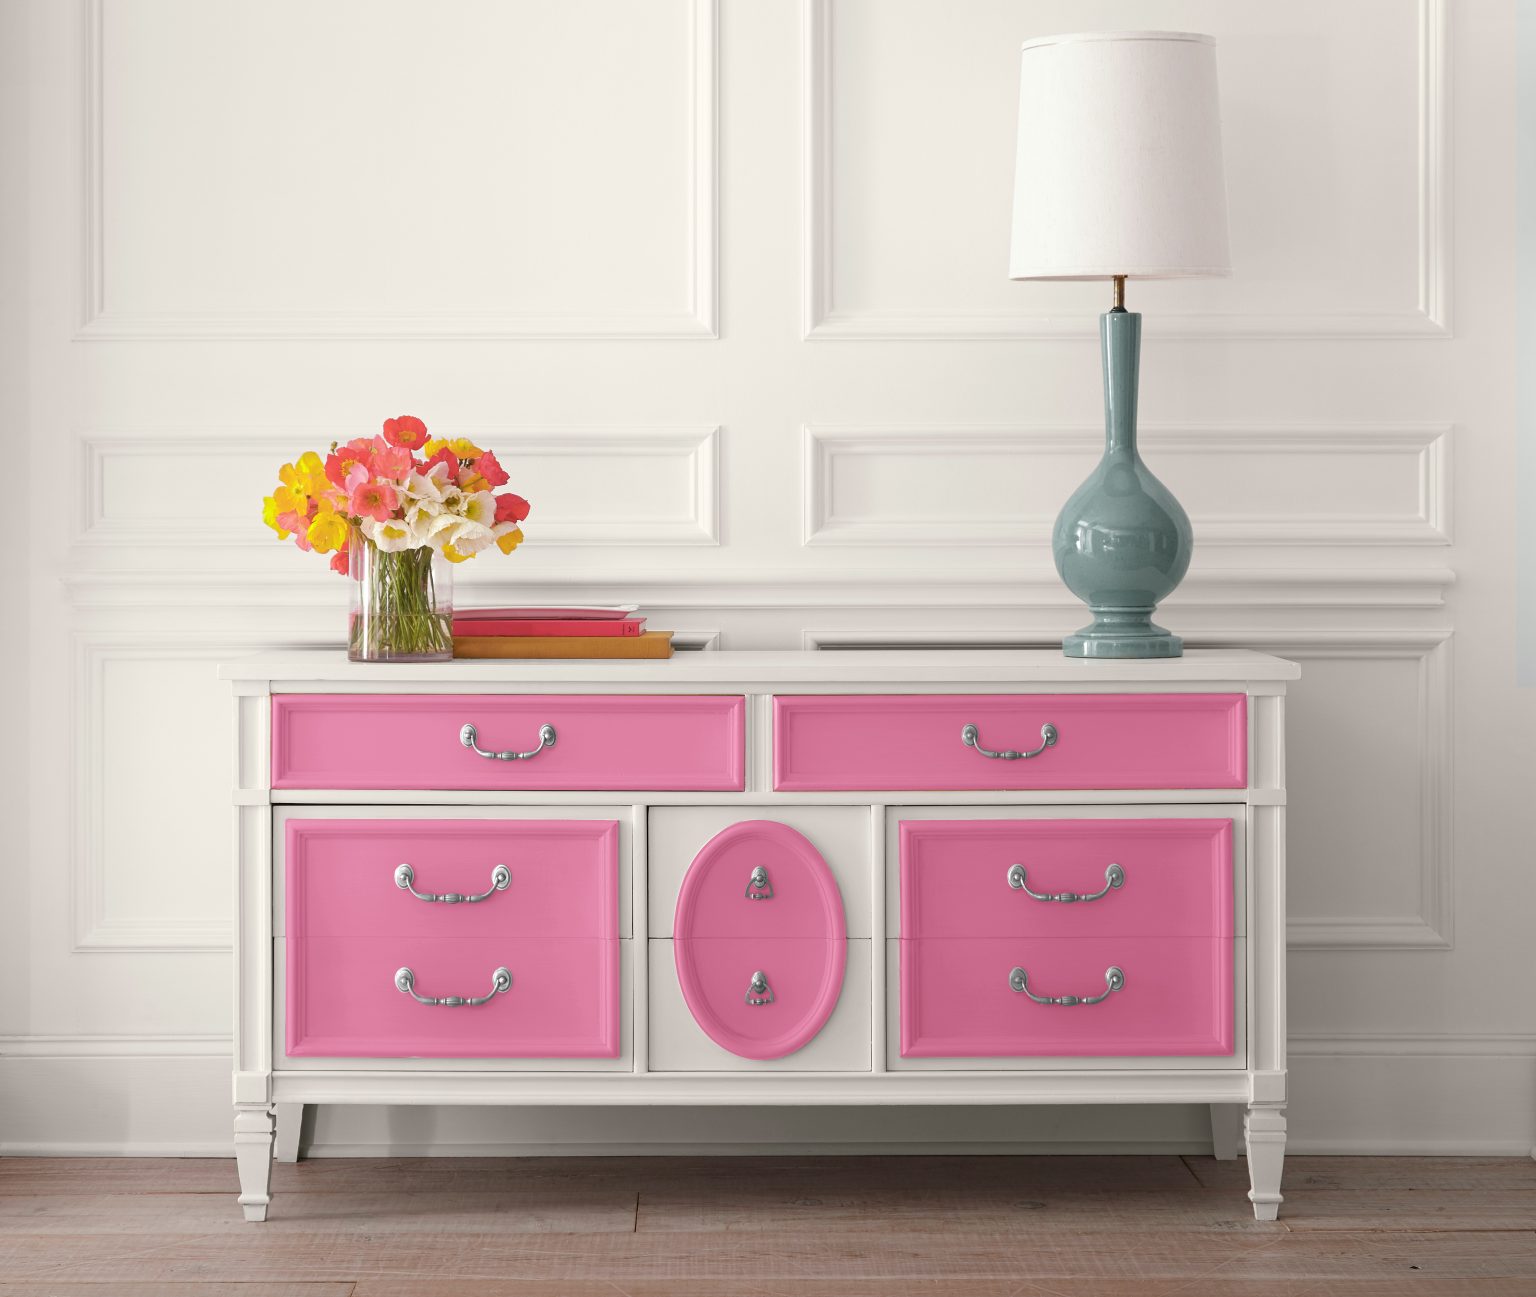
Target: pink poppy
<point>511,508</point>
<point>360,450</point>
<point>393,462</point>
<point>339,561</point>
<point>407,431</point>
<point>492,471</point>
<point>376,500</point>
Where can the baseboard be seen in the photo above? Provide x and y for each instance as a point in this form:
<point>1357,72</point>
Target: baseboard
<point>1406,1096</point>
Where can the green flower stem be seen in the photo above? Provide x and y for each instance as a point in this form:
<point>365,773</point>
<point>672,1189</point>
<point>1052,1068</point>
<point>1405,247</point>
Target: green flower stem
<point>396,616</point>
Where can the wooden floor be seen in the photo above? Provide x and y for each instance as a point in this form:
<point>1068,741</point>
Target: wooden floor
<point>765,1227</point>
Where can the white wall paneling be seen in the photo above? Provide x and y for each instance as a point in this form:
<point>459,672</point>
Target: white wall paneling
<point>1004,486</point>
<point>559,162</point>
<point>151,750</point>
<point>903,229</point>
<point>593,485</point>
<point>612,240</point>
<point>1353,884</point>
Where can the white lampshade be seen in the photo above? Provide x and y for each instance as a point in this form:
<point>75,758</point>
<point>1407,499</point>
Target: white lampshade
<point>1119,158</point>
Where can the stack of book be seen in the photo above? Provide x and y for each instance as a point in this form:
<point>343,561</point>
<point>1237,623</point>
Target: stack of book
<point>556,633</point>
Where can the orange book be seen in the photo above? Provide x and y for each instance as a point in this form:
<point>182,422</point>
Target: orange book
<point>648,644</point>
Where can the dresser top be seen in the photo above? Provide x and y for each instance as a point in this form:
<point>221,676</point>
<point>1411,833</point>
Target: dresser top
<point>1000,668</point>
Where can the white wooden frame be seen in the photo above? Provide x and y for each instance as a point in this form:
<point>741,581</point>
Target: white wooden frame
<point>267,1086</point>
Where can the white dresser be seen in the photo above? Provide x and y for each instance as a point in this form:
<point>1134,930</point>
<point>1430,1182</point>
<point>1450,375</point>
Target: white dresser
<point>947,877</point>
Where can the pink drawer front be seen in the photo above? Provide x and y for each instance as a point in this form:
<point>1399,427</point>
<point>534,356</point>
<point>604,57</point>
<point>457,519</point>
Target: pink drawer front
<point>417,741</point>
<point>764,1017</point>
<point>958,998</point>
<point>342,878</point>
<point>755,879</point>
<point>1134,878</point>
<point>344,1000</point>
<point>827,743</point>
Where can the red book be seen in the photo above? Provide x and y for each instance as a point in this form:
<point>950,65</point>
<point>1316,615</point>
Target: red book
<point>612,626</point>
<point>567,612</point>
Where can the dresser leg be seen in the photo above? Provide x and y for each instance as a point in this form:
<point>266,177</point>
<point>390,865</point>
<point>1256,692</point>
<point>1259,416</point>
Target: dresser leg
<point>253,1158</point>
<point>1265,1130</point>
<point>1226,1130</point>
<point>290,1122</point>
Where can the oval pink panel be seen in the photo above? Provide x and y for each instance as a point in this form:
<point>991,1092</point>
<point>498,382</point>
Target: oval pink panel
<point>760,940</point>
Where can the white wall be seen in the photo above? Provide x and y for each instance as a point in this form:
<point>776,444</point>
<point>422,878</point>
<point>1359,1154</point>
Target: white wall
<point>725,280</point>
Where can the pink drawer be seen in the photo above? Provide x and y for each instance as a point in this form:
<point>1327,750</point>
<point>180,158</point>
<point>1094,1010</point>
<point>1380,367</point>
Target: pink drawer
<point>565,741</point>
<point>344,999</point>
<point>533,878</point>
<point>1134,878</point>
<point>767,1016</point>
<point>827,743</point>
<point>759,879</point>
<point>958,998</point>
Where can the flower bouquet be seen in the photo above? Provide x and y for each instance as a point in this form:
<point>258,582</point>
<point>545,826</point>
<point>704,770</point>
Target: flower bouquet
<point>395,512</point>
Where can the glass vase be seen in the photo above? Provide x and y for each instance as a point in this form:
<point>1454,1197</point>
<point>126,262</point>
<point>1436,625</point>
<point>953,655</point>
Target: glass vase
<point>402,604</point>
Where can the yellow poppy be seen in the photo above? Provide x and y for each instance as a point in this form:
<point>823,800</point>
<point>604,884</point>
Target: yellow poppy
<point>328,531</point>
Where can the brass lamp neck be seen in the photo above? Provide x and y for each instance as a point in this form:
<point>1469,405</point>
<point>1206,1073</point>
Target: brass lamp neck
<point>1119,292</point>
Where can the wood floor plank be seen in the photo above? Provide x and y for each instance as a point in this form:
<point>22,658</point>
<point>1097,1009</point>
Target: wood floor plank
<point>560,1209</point>
<point>1364,1173</point>
<point>1414,1210</point>
<point>967,1209</point>
<point>702,1288</point>
<point>262,1254</point>
<point>44,1289</point>
<point>1410,1287</point>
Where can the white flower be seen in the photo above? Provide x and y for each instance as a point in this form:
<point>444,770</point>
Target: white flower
<point>390,535</point>
<point>431,485</point>
<point>473,537</point>
<point>432,526</point>
<point>480,508</point>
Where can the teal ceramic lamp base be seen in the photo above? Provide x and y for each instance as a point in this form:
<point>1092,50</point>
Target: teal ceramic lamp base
<point>1122,633</point>
<point>1122,542</point>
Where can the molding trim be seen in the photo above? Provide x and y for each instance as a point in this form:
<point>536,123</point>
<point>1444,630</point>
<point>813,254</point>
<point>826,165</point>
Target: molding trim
<point>163,1045</point>
<point>1431,928</point>
<point>699,320</point>
<point>813,587</point>
<point>1416,1044</point>
<point>697,448</point>
<point>1429,318</point>
<point>1429,443</point>
<point>96,929</point>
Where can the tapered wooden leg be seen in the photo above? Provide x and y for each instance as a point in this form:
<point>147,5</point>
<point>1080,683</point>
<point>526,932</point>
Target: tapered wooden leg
<point>1226,1130</point>
<point>290,1123</point>
<point>253,1158</point>
<point>1265,1130</point>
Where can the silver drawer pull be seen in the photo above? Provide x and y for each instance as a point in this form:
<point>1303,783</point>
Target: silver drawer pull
<point>501,879</point>
<point>405,980</point>
<point>1114,878</point>
<point>546,740</point>
<point>758,991</point>
<point>759,888</point>
<point>1114,980</point>
<point>971,737</point>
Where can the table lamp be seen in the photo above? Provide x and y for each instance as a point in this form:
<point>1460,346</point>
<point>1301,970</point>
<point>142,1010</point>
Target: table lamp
<point>1119,177</point>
